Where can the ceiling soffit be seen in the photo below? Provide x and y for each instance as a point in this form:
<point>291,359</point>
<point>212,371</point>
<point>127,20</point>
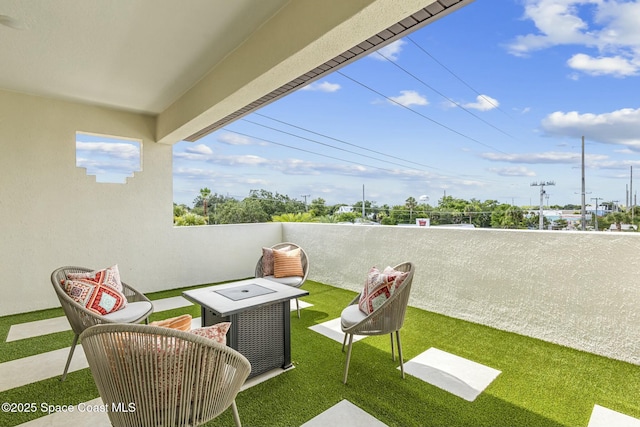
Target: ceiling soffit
<point>412,23</point>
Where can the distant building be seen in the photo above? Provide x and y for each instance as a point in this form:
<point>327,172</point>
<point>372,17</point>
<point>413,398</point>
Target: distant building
<point>344,209</point>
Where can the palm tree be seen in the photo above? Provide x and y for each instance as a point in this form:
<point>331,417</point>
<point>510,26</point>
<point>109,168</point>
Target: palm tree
<point>205,193</point>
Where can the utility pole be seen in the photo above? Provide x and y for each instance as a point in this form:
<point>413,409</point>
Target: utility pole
<point>583,221</point>
<point>305,201</point>
<point>596,212</point>
<point>631,193</point>
<point>541,184</point>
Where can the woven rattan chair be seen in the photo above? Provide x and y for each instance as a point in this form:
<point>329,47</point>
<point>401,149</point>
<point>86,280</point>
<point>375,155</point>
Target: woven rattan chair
<point>294,281</point>
<point>386,319</point>
<point>154,376</point>
<point>137,310</point>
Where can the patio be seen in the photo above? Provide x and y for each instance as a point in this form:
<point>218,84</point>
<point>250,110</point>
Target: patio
<point>557,314</point>
<point>529,383</point>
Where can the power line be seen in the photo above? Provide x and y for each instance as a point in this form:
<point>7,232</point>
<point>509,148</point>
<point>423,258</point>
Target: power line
<point>457,77</point>
<point>333,146</point>
<point>307,151</point>
<point>347,143</point>
<point>447,98</point>
<point>419,114</point>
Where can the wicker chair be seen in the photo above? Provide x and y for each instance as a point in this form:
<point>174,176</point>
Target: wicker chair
<point>386,319</point>
<point>294,281</point>
<point>153,376</point>
<point>137,310</point>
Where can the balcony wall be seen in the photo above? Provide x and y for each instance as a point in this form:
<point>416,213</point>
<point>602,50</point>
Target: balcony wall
<point>52,214</point>
<point>572,288</point>
<point>576,289</point>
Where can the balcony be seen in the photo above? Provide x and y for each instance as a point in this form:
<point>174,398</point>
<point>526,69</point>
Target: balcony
<point>548,315</point>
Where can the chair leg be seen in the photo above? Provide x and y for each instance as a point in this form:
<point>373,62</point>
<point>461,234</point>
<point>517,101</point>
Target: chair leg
<point>298,307</point>
<point>236,415</point>
<point>344,342</point>
<point>400,353</point>
<point>393,355</point>
<point>71,350</point>
<point>346,366</point>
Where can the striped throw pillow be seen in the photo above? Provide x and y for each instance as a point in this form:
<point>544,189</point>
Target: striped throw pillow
<point>287,263</point>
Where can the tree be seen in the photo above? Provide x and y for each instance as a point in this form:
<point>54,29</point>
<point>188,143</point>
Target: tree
<point>204,194</point>
<point>291,217</point>
<point>247,211</point>
<point>507,216</point>
<point>318,207</point>
<point>189,219</point>
<point>276,204</point>
<point>618,218</point>
<point>179,210</point>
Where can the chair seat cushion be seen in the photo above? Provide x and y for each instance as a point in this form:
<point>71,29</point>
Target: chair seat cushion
<point>133,311</point>
<point>290,280</point>
<point>351,316</point>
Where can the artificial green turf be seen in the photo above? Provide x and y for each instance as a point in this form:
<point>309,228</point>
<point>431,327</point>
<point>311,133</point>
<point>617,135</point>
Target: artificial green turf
<point>541,384</point>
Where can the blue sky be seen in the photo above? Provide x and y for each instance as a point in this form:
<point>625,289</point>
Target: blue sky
<point>500,97</point>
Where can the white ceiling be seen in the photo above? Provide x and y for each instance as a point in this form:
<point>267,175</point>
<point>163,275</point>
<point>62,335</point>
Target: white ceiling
<point>137,55</point>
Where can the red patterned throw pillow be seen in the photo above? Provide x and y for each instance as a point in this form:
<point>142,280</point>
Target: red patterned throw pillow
<point>217,332</point>
<point>379,287</point>
<point>96,297</point>
<point>108,276</point>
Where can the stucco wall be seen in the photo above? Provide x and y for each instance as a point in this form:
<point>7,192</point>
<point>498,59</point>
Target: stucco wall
<point>53,214</point>
<point>572,288</point>
<point>576,289</point>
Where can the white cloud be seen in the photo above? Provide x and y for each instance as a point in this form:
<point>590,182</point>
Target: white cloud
<point>513,171</point>
<point>235,139</point>
<point>563,157</point>
<point>557,22</point>
<point>390,51</point>
<point>117,150</point>
<point>610,27</point>
<point>200,149</point>
<point>620,127</point>
<point>483,103</point>
<point>409,98</point>
<point>324,86</point>
<point>614,65</point>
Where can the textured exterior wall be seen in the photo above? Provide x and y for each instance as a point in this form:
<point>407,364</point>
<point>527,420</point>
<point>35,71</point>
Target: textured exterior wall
<point>53,214</point>
<point>571,288</point>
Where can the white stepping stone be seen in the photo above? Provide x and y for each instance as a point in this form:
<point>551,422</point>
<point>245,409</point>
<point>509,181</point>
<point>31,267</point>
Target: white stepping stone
<point>60,324</point>
<point>346,414</point>
<point>332,329</point>
<point>37,328</point>
<point>457,375</point>
<point>170,303</point>
<point>82,415</point>
<point>303,304</point>
<point>604,417</point>
<point>19,372</point>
